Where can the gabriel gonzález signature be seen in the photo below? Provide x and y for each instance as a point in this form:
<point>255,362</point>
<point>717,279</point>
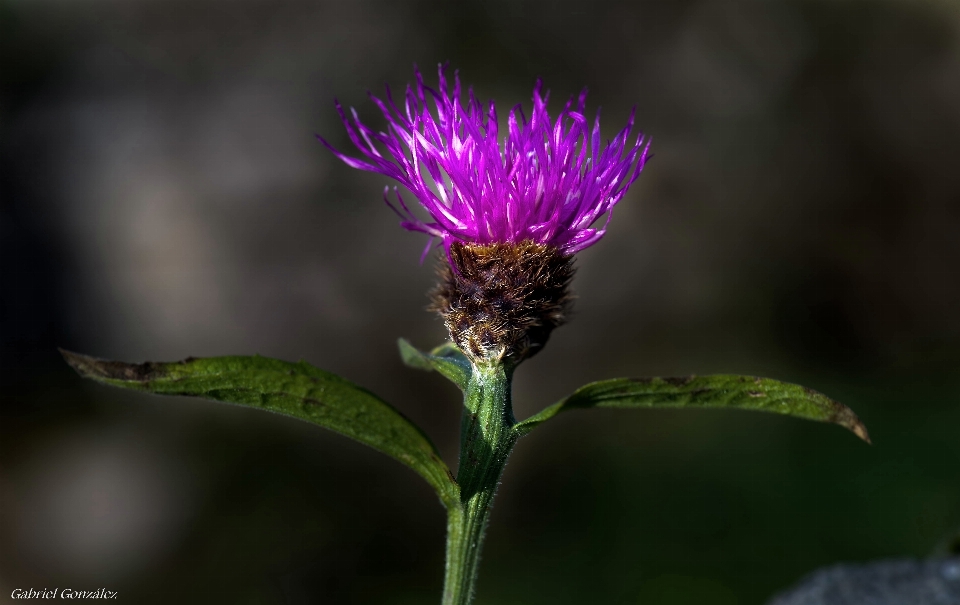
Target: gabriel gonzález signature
<point>66,593</point>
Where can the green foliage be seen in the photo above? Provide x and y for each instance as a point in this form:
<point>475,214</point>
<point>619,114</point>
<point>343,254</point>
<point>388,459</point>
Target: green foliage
<point>292,389</point>
<point>445,359</point>
<point>718,391</point>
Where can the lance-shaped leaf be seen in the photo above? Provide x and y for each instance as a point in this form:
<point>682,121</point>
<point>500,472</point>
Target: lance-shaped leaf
<point>445,359</point>
<point>718,391</point>
<point>292,389</point>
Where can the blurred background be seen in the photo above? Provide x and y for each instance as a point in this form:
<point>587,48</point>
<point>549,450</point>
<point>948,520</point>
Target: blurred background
<point>162,195</point>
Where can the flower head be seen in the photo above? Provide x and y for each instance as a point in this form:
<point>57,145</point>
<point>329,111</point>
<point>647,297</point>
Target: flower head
<point>549,183</point>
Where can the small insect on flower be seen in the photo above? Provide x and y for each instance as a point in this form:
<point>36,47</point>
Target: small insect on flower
<point>510,218</point>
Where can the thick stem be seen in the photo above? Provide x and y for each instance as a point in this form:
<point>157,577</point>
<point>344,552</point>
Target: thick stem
<point>486,442</point>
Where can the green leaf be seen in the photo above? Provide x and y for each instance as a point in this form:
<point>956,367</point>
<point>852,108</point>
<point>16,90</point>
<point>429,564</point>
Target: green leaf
<point>445,359</point>
<point>292,389</point>
<point>718,391</point>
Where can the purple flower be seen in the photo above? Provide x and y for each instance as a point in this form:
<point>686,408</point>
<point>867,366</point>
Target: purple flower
<point>549,182</point>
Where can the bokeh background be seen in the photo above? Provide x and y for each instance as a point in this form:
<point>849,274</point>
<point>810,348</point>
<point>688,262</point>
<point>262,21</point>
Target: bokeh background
<point>162,195</point>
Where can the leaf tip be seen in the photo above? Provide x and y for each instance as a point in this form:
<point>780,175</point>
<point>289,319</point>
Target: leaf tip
<point>84,365</point>
<point>412,356</point>
<point>848,419</point>
<point>860,430</point>
<point>103,370</point>
<point>842,415</point>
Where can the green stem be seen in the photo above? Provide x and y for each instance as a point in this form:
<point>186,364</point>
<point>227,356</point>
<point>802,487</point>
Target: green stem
<point>486,442</point>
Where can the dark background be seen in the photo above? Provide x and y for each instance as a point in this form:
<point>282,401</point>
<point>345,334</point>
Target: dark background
<point>162,195</point>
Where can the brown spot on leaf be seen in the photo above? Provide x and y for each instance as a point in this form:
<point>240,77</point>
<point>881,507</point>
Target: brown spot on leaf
<point>313,401</point>
<point>756,394</point>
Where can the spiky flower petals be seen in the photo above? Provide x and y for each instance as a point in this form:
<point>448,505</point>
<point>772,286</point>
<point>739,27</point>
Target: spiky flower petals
<point>500,302</point>
<point>549,183</point>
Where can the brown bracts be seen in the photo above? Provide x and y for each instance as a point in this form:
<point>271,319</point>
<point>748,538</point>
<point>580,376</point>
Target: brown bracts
<point>500,302</point>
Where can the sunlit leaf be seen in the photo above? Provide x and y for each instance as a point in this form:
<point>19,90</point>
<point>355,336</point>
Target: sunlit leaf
<point>718,391</point>
<point>292,389</point>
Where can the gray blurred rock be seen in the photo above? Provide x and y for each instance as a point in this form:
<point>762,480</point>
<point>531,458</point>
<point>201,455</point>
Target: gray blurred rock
<point>932,582</point>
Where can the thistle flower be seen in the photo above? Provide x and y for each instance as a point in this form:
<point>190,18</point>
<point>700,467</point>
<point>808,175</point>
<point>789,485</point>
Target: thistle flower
<point>549,183</point>
<point>510,218</point>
